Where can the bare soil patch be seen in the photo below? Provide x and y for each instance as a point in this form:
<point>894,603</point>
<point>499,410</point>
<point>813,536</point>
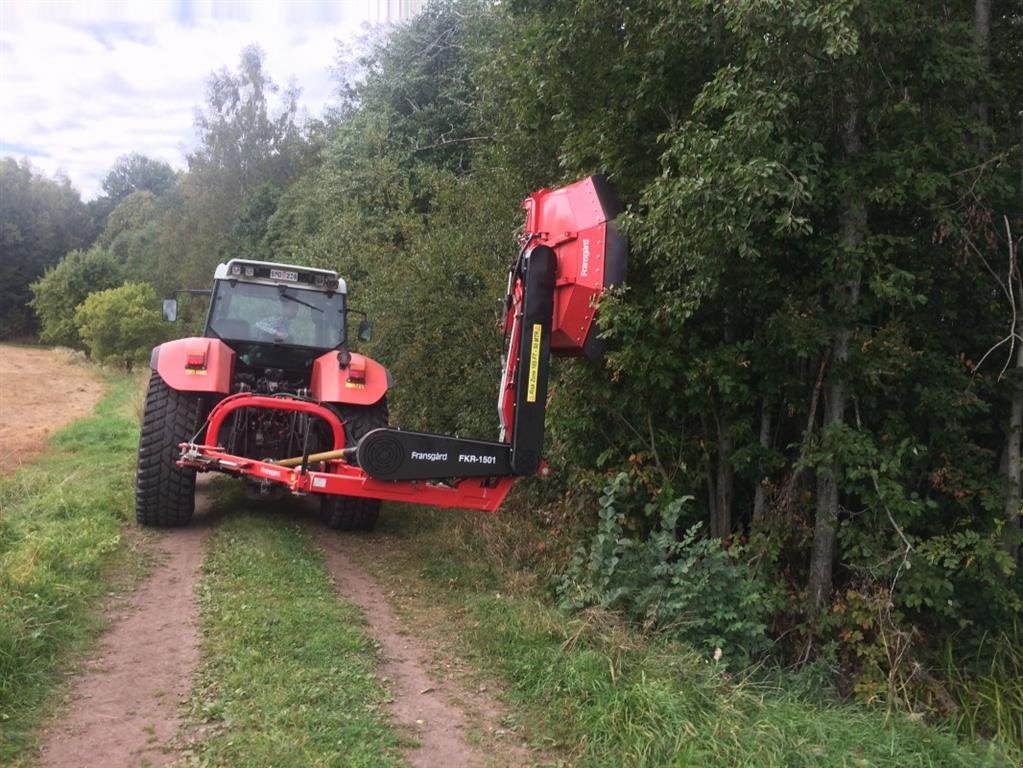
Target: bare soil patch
<point>123,707</point>
<point>40,391</point>
<point>431,708</point>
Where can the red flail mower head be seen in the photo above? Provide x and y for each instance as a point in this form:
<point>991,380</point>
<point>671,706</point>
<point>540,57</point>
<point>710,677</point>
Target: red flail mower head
<point>577,222</point>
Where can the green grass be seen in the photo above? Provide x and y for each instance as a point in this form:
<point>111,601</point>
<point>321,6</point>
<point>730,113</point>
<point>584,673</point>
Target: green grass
<point>287,677</point>
<point>987,686</point>
<point>604,696</point>
<point>60,531</point>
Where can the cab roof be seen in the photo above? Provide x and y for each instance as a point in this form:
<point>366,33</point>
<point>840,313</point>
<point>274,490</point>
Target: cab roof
<point>272,273</point>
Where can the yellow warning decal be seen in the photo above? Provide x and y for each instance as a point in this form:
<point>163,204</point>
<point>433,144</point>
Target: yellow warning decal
<point>534,362</point>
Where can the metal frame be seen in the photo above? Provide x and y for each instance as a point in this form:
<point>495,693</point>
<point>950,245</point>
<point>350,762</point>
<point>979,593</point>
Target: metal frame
<point>336,476</point>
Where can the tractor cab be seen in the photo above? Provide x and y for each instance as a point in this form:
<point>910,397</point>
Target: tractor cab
<point>277,315</point>
<point>257,302</point>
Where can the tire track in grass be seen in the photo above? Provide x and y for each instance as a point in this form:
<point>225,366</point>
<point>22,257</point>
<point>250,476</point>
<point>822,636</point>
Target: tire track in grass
<point>418,704</point>
<point>421,703</point>
<point>123,707</point>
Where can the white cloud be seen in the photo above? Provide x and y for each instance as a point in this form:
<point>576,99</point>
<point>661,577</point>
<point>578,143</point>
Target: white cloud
<point>83,83</point>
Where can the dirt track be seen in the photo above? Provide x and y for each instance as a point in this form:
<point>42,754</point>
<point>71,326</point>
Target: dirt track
<point>40,391</point>
<point>123,708</point>
<point>420,703</point>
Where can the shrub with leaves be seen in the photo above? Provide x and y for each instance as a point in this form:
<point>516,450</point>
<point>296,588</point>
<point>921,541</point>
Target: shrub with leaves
<point>120,325</point>
<point>60,290</point>
<point>674,581</point>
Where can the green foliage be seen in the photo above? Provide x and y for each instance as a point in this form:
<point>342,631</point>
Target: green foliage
<point>738,244</point>
<point>250,145</point>
<point>60,530</point>
<point>242,143</point>
<point>40,221</point>
<point>437,320</point>
<point>63,288</point>
<point>132,237</point>
<point>423,242</point>
<point>132,176</point>
<point>137,173</point>
<point>743,137</point>
<point>121,325</point>
<point>134,212</point>
<point>679,582</point>
<point>818,196</point>
<point>420,80</point>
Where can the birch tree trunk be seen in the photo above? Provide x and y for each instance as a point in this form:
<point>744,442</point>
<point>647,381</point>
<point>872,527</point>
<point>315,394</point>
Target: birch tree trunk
<point>1014,437</point>
<point>721,526</point>
<point>845,296</point>
<point>759,497</point>
<point>1013,446</point>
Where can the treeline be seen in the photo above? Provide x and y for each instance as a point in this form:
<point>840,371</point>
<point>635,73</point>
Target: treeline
<point>805,438</point>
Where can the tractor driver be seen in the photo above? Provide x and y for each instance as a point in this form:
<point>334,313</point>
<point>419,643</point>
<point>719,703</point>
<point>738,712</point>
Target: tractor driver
<point>278,325</point>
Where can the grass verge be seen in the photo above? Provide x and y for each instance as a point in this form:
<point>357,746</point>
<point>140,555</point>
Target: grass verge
<point>288,673</point>
<point>61,522</point>
<point>601,695</point>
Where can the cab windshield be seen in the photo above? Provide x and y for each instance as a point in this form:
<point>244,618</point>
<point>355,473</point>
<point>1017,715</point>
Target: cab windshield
<point>277,314</point>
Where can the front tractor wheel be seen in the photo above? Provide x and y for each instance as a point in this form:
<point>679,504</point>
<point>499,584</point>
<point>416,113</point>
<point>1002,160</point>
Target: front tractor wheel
<point>354,513</point>
<point>165,492</point>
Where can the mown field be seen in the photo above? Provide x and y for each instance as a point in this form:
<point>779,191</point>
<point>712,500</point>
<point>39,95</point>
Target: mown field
<point>288,672</point>
<point>62,547</point>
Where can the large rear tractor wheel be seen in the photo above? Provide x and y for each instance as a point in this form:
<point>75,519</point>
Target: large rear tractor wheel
<point>165,492</point>
<point>354,513</point>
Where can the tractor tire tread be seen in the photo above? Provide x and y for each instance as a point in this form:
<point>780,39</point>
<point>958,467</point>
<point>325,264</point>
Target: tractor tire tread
<point>165,492</point>
<point>355,513</point>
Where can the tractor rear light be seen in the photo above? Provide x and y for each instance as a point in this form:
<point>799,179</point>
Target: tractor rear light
<point>236,269</point>
<point>357,372</point>
<point>195,360</point>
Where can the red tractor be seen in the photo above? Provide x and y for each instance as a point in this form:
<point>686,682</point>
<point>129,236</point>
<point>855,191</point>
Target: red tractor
<point>271,391</point>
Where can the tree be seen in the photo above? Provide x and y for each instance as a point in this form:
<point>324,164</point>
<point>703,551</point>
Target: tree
<point>242,144</point>
<point>790,253</point>
<point>61,289</point>
<point>121,325</point>
<point>245,150</point>
<point>137,173</point>
<point>40,220</point>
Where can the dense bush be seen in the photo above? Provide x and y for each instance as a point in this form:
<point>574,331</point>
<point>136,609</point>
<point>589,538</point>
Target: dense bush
<point>121,325</point>
<point>675,581</point>
<point>58,292</point>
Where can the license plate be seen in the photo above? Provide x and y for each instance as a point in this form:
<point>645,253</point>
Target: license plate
<point>283,274</point>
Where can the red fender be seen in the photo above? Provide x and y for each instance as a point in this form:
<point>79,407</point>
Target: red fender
<point>195,364</point>
<point>362,382</point>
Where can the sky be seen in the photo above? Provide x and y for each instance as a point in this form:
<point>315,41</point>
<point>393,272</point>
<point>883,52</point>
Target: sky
<point>82,83</point>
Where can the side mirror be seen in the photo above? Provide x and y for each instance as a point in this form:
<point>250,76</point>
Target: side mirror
<point>365,332</point>
<point>170,310</point>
